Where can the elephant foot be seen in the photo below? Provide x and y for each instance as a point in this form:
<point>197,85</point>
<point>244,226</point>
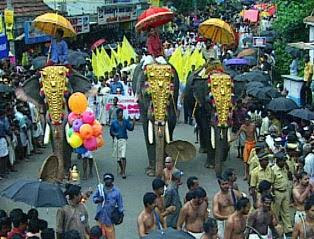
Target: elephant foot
<point>150,173</point>
<point>148,169</point>
<point>208,165</point>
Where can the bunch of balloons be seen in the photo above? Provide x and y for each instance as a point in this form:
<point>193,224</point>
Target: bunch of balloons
<point>85,132</point>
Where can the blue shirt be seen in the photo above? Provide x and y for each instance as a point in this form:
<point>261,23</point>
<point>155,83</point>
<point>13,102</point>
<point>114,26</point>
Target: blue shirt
<point>59,52</point>
<point>113,198</point>
<point>114,86</point>
<point>120,130</point>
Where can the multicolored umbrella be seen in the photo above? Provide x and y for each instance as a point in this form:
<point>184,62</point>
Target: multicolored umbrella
<point>153,17</point>
<point>217,30</point>
<point>50,22</point>
<point>236,62</point>
<point>98,43</point>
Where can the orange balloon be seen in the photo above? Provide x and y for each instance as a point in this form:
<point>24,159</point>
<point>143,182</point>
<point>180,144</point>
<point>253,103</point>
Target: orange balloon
<point>100,141</point>
<point>78,103</point>
<point>97,129</point>
<point>86,131</point>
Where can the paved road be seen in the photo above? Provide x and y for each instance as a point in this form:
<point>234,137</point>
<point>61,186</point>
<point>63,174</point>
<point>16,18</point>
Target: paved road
<point>136,184</point>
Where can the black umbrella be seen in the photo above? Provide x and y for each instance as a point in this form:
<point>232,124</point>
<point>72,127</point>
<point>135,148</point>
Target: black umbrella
<point>262,95</point>
<point>254,84</point>
<point>304,114</point>
<point>281,104</point>
<point>270,91</point>
<point>253,91</point>
<point>35,193</point>
<point>5,88</point>
<point>39,62</point>
<point>169,233</point>
<point>253,76</point>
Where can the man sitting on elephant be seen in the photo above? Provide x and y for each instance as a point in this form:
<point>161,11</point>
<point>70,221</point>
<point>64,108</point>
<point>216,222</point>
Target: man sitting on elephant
<point>58,50</point>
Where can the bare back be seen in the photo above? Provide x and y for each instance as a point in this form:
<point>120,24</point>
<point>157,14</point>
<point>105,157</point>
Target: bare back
<point>249,131</point>
<point>235,227</point>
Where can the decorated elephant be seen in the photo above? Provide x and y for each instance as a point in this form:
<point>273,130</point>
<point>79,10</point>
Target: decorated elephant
<point>50,93</point>
<point>210,98</point>
<point>157,88</point>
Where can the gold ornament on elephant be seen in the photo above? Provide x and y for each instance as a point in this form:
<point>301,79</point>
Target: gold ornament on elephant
<point>221,90</point>
<point>54,85</point>
<point>159,78</point>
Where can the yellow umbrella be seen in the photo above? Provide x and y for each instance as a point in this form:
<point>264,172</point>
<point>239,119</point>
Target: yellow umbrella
<point>50,22</point>
<point>217,30</point>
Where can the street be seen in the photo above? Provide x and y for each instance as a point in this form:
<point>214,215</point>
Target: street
<point>136,184</point>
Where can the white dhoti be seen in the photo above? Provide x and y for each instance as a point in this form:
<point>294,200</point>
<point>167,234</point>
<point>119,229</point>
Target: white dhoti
<point>119,148</point>
<point>196,235</point>
<point>299,217</point>
<point>255,236</point>
<point>221,228</point>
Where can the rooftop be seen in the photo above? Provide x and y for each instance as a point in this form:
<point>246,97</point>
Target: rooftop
<point>26,7</point>
<point>309,20</point>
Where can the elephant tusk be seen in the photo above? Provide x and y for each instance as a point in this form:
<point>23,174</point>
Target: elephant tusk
<point>195,105</point>
<point>229,134</point>
<point>212,137</point>
<point>150,132</point>
<point>47,134</point>
<point>67,128</point>
<point>167,135</point>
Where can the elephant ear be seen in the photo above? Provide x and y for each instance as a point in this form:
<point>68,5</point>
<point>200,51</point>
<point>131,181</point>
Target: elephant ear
<point>29,91</point>
<point>79,83</point>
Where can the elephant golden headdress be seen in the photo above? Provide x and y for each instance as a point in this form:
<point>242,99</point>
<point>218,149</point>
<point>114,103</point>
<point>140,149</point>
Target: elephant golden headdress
<point>221,88</point>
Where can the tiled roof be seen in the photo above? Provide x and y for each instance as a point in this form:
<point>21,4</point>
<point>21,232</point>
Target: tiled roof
<point>27,7</point>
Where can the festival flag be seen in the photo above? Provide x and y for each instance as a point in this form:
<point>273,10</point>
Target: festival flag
<point>95,65</point>
<point>127,50</point>
<point>176,60</point>
<point>105,60</point>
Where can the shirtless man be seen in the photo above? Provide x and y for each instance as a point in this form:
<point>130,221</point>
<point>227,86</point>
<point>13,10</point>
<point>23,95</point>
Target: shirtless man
<point>262,219</point>
<point>224,204</point>
<point>249,129</point>
<point>305,229</point>
<point>148,220</point>
<point>210,229</point>
<point>194,213</point>
<point>236,223</point>
<point>169,167</point>
<point>301,192</point>
<point>159,188</point>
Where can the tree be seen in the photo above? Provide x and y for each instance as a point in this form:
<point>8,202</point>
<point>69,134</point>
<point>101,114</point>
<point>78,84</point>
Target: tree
<point>289,27</point>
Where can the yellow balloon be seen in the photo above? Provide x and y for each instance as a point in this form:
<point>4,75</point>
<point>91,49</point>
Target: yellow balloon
<point>75,140</point>
<point>78,103</point>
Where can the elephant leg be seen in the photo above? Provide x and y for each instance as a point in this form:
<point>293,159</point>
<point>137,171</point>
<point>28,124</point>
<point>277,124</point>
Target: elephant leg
<point>221,150</point>
<point>84,162</point>
<point>210,159</point>
<point>150,148</point>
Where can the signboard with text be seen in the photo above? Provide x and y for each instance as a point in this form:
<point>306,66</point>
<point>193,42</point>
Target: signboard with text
<point>4,50</point>
<point>80,24</point>
<point>32,35</point>
<point>259,41</point>
<point>114,14</point>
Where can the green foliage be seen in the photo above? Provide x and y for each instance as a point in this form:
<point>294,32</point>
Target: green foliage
<point>186,6</point>
<point>289,28</point>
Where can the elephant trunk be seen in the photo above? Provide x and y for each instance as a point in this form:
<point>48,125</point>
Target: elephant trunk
<point>58,135</point>
<point>159,130</point>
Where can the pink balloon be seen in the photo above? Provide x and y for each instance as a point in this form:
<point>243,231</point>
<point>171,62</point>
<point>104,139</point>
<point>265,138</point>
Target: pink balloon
<point>71,117</point>
<point>90,144</point>
<point>88,117</point>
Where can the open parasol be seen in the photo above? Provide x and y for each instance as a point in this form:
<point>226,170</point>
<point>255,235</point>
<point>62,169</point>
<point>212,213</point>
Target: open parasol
<point>217,30</point>
<point>98,43</point>
<point>50,22</point>
<point>181,150</point>
<point>153,17</point>
<point>247,52</point>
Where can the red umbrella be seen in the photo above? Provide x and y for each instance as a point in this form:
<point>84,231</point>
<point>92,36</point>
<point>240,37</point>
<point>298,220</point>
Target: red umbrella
<point>98,43</point>
<point>153,17</point>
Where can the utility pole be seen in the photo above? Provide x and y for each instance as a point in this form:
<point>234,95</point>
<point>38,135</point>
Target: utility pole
<point>12,45</point>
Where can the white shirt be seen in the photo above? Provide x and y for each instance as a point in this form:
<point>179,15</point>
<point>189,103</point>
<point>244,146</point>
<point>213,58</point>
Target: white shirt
<point>265,126</point>
<point>309,164</point>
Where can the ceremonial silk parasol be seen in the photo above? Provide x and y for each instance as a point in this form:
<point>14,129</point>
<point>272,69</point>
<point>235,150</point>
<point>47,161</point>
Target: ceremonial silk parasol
<point>153,17</point>
<point>181,150</point>
<point>217,30</point>
<point>50,22</point>
<point>98,43</point>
